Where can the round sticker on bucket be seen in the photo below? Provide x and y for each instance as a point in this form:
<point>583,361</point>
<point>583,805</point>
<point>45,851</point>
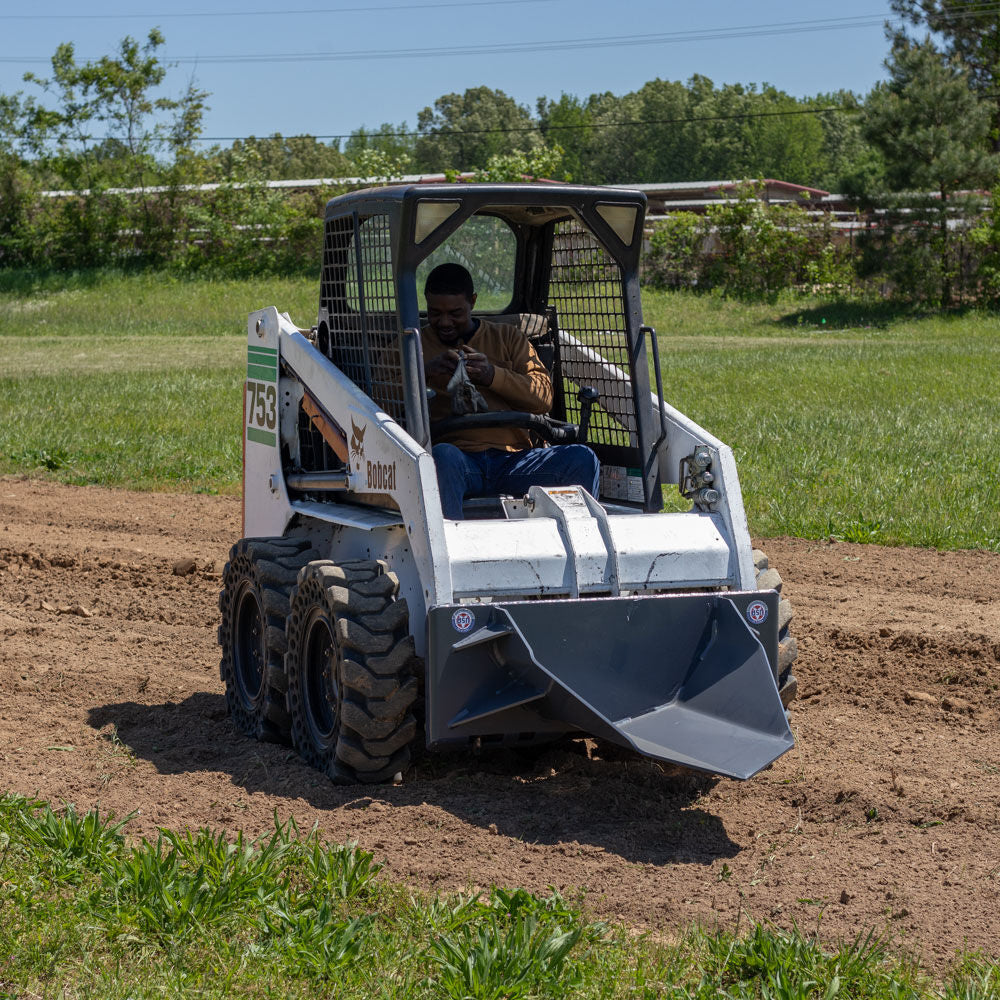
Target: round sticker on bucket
<point>463,619</point>
<point>756,612</point>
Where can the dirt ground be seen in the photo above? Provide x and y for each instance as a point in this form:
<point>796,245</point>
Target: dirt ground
<point>885,816</point>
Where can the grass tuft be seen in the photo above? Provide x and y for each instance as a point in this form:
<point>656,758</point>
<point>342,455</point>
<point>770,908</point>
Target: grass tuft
<point>517,946</point>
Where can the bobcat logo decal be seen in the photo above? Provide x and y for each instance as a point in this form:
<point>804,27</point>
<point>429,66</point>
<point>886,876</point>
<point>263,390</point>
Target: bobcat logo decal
<point>357,441</point>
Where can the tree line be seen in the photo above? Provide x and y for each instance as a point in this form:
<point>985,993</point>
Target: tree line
<point>915,155</point>
<point>105,123</point>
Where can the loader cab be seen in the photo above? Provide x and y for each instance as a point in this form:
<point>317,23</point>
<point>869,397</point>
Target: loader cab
<point>559,261</point>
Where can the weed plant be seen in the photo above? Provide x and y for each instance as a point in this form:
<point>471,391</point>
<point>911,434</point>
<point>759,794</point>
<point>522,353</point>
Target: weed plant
<point>84,912</point>
<point>859,420</point>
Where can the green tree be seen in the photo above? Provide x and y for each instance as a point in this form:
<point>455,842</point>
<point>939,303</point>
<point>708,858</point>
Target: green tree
<point>104,124</point>
<point>667,153</point>
<point>676,256</point>
<point>970,34</point>
<point>763,248</point>
<point>381,166</point>
<point>246,227</point>
<point>670,131</point>
<point>297,157</point>
<point>566,124</point>
<point>116,97</point>
<point>462,131</point>
<point>928,123</point>
<point>932,130</point>
<point>506,167</point>
<point>391,141</point>
<point>985,239</point>
<point>615,151</point>
<point>782,138</point>
<point>844,147</point>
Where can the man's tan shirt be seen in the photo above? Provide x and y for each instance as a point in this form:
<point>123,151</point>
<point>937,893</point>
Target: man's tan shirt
<point>520,382</point>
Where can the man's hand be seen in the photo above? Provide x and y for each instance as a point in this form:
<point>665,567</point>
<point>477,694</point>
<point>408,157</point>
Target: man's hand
<point>480,368</point>
<point>443,366</point>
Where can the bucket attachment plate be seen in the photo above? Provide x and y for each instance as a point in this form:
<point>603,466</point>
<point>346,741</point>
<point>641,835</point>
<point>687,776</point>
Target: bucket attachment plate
<point>682,678</point>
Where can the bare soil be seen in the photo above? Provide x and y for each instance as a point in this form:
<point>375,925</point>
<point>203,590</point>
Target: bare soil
<point>885,816</point>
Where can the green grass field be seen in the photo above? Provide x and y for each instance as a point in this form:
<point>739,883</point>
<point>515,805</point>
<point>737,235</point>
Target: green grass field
<point>130,381</point>
<point>847,420</point>
<point>86,914</point>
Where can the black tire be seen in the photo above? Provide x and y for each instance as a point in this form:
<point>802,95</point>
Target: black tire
<point>256,584</point>
<point>351,671</point>
<point>788,649</point>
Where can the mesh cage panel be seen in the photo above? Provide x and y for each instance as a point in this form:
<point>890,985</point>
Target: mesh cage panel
<point>359,297</point>
<point>586,289</point>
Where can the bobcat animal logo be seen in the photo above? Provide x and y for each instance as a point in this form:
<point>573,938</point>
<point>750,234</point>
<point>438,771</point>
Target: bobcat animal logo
<point>357,440</point>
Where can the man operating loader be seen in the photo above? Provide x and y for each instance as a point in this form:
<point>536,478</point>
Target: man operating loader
<point>475,365</point>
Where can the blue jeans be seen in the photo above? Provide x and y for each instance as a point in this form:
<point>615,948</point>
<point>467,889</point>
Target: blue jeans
<point>467,473</point>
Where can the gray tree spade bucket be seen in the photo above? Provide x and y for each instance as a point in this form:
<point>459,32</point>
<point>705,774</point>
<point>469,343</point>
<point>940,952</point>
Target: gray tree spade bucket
<point>681,678</point>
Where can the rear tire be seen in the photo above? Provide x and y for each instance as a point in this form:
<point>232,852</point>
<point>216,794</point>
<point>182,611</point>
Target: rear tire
<point>788,649</point>
<point>256,583</point>
<point>350,667</point>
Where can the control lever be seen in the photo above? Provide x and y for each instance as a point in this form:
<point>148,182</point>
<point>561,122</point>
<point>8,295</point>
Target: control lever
<point>587,396</point>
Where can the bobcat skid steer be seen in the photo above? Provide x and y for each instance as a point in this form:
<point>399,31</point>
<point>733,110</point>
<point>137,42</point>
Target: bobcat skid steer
<point>356,619</point>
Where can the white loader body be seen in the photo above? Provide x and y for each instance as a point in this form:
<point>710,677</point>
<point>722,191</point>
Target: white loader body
<point>352,609</point>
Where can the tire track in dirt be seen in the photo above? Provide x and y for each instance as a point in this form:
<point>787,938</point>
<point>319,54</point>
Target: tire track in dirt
<point>886,815</point>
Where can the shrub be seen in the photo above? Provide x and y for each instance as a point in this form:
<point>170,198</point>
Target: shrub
<point>676,253</point>
<point>747,249</point>
<point>762,248</point>
<point>922,249</point>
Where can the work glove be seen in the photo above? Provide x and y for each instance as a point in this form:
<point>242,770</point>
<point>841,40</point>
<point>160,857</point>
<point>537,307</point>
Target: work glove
<point>465,397</point>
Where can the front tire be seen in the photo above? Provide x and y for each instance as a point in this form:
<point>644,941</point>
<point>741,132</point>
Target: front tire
<point>350,668</point>
<point>256,584</point>
<point>788,649</point>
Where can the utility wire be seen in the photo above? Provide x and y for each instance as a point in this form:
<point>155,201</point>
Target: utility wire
<point>545,45</point>
<point>541,45</point>
<point>956,12</point>
<point>133,15</point>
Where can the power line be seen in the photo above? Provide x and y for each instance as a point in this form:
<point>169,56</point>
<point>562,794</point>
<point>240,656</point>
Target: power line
<point>264,13</point>
<point>964,12</point>
<point>957,12</point>
<point>543,45</point>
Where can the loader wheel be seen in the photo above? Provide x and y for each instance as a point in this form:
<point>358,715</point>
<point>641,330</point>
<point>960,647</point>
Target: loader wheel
<point>788,649</point>
<point>350,667</point>
<point>256,584</point>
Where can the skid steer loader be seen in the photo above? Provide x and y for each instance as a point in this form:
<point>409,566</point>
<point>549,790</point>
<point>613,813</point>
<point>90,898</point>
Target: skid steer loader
<point>356,619</point>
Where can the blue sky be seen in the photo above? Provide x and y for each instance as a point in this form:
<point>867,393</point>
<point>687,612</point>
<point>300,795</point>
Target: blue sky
<point>347,63</point>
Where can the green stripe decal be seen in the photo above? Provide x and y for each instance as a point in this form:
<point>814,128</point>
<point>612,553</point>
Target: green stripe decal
<point>268,374</point>
<point>261,437</point>
<point>262,355</point>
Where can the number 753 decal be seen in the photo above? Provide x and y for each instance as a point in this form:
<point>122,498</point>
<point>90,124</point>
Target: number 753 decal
<point>262,405</point>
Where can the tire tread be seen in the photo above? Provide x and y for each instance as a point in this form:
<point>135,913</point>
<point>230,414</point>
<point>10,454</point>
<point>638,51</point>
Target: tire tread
<point>375,669</point>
